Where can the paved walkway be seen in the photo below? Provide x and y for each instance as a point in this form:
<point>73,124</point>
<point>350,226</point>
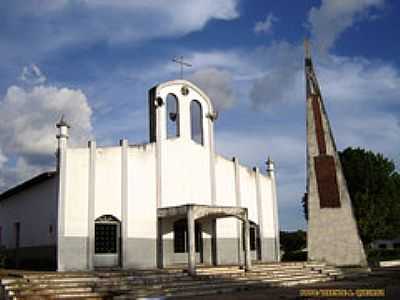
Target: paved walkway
<point>380,278</point>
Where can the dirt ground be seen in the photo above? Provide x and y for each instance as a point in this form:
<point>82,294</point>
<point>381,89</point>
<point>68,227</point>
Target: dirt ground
<point>380,281</point>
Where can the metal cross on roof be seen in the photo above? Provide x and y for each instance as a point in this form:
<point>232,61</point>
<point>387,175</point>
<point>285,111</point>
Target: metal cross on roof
<point>182,63</point>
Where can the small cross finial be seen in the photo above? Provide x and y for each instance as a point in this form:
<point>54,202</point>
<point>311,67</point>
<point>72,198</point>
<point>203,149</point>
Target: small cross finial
<point>182,63</point>
<point>62,122</point>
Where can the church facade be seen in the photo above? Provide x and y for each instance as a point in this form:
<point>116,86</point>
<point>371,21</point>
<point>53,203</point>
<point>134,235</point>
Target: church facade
<point>170,201</point>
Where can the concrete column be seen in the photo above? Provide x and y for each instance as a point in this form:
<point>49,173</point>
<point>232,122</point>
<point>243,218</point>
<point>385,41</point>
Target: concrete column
<point>61,188</point>
<point>160,136</point>
<point>271,174</point>
<point>124,200</point>
<point>260,214</point>
<point>212,162</point>
<point>247,258</point>
<point>214,254</point>
<point>91,201</point>
<point>191,240</point>
<point>160,246</point>
<point>238,204</point>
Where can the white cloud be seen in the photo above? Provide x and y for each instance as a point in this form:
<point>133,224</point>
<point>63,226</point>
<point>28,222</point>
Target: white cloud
<point>27,128</point>
<point>32,75</point>
<point>359,80</point>
<point>28,118</point>
<point>217,84</point>
<point>51,25</point>
<point>283,75</point>
<point>3,158</point>
<point>266,25</point>
<point>334,16</point>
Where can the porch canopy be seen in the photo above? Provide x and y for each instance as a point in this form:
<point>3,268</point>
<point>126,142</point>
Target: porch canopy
<point>193,212</point>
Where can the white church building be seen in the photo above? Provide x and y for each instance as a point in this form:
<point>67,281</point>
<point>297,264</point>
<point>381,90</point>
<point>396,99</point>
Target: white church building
<point>170,201</point>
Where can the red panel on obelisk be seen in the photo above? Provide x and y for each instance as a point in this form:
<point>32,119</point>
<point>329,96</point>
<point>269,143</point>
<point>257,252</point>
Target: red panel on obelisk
<point>328,190</point>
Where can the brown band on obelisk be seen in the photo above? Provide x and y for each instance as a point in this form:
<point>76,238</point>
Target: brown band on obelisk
<point>319,128</point>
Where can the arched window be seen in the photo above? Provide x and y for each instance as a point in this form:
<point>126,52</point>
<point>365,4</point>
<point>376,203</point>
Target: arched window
<point>196,119</point>
<point>172,116</point>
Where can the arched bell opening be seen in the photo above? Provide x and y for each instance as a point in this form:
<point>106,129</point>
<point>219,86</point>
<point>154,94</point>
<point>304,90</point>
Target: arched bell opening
<point>173,117</point>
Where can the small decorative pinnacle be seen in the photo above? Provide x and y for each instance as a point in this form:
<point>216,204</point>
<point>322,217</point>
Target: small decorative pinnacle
<point>62,123</point>
<point>213,115</point>
<point>270,164</point>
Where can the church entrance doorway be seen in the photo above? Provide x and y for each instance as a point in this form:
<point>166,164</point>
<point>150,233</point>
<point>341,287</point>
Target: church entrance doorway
<point>107,249</point>
<point>187,236</point>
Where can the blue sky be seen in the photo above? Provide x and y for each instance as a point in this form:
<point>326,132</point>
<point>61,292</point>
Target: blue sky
<point>94,61</point>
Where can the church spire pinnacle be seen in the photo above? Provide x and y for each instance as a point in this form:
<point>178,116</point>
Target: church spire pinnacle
<point>312,86</point>
<point>307,49</point>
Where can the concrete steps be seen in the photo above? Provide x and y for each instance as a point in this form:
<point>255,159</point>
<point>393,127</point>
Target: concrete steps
<point>170,282</point>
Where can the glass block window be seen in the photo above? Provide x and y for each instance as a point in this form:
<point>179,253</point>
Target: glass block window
<point>105,238</point>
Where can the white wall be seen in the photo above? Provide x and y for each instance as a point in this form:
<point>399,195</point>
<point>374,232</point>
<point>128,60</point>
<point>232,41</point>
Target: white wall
<point>185,173</point>
<point>77,193</point>
<point>142,208</point>
<point>108,182</point>
<point>35,208</point>
<point>248,192</point>
<point>267,208</point>
<point>141,189</point>
<point>226,195</point>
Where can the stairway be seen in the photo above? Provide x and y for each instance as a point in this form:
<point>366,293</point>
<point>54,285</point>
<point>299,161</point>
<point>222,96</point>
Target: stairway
<point>169,282</point>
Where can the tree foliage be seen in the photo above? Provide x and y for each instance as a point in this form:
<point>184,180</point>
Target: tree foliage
<point>292,240</point>
<point>374,187</point>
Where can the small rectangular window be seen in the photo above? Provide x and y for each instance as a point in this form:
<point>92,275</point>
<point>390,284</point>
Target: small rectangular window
<point>181,241</point>
<point>180,238</point>
<point>252,239</point>
<point>17,227</point>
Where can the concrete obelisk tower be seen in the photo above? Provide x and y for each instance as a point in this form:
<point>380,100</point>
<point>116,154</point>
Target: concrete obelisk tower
<point>332,230</point>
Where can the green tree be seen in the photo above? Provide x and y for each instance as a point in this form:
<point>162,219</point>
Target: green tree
<point>292,240</point>
<point>374,187</point>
